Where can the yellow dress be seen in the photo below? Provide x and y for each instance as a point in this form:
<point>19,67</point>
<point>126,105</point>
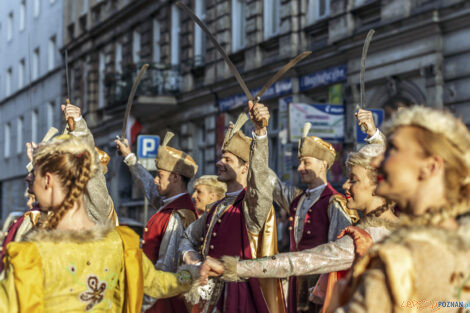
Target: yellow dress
<point>102,270</point>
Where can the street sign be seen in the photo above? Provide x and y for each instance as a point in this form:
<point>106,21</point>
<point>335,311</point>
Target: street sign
<point>378,115</point>
<point>147,148</point>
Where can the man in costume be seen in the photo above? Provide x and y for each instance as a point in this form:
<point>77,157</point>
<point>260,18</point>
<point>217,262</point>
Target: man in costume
<point>207,189</point>
<point>241,224</point>
<point>99,205</point>
<point>175,210</point>
<point>317,215</point>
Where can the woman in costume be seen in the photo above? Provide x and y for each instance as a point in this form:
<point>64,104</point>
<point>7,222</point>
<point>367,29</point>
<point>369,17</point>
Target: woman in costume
<point>72,263</point>
<point>333,256</point>
<point>426,170</point>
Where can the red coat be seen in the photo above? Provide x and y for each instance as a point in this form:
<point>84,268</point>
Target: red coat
<point>230,237</point>
<point>316,226</point>
<point>153,236</point>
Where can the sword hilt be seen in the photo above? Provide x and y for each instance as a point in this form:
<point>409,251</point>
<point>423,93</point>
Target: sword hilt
<point>264,122</point>
<point>363,126</point>
<point>70,120</point>
<point>122,140</point>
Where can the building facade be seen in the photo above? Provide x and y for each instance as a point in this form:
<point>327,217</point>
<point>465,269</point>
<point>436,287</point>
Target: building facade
<point>30,88</point>
<point>418,55</point>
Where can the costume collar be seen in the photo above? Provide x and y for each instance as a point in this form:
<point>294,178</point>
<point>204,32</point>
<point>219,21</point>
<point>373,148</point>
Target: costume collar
<point>168,200</point>
<point>316,190</point>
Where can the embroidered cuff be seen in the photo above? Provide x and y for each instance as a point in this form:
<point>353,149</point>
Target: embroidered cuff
<point>130,159</point>
<point>374,136</point>
<point>188,274</point>
<point>256,137</point>
<point>29,167</point>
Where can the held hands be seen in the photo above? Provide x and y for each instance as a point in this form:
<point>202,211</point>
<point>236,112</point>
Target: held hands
<point>123,147</point>
<point>71,111</point>
<point>364,117</point>
<point>259,114</point>
<point>211,268</point>
<point>362,240</point>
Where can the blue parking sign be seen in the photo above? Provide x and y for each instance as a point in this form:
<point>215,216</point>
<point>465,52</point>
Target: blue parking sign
<point>378,115</point>
<point>147,146</point>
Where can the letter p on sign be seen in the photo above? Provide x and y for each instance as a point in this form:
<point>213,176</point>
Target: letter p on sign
<point>147,146</point>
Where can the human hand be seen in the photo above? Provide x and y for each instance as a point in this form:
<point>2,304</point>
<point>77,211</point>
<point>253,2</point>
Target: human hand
<point>30,146</point>
<point>211,268</point>
<point>259,115</point>
<point>123,147</point>
<point>71,110</point>
<point>366,119</point>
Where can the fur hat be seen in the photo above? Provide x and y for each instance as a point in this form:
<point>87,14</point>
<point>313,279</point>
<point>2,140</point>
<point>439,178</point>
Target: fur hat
<point>235,141</point>
<point>174,160</point>
<point>315,147</point>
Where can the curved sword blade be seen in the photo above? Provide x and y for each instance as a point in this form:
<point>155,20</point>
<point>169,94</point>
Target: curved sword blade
<point>232,67</point>
<point>281,72</point>
<point>130,100</point>
<point>363,67</point>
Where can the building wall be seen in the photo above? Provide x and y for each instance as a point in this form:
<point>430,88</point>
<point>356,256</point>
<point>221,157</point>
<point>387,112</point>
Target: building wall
<point>44,96</point>
<point>418,55</point>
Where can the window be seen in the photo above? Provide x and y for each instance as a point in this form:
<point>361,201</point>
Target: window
<point>10,26</point>
<point>101,68</point>
<point>36,7</point>
<point>7,139</point>
<point>34,126</point>
<point>22,15</point>
<point>317,9</point>
<point>21,73</point>
<point>8,82</point>
<point>50,113</point>
<point>136,47</point>
<point>51,53</point>
<point>118,58</point>
<point>199,35</point>
<point>19,135</point>
<point>35,69</point>
<point>84,6</point>
<point>175,35</point>
<point>156,41</point>
<point>238,25</point>
<point>272,18</point>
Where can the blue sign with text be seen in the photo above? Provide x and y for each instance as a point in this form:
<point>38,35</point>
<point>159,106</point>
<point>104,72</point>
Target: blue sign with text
<point>147,146</point>
<point>322,78</point>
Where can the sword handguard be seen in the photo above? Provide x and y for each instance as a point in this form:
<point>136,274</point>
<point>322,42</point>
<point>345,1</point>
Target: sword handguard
<point>264,122</point>
<point>70,120</point>
<point>363,126</point>
<point>121,139</point>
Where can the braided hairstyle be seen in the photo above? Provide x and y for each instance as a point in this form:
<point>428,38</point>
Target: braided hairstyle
<point>73,162</point>
<point>440,133</point>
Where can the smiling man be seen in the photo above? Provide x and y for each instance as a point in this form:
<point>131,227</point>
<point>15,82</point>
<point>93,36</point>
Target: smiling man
<point>242,224</point>
<point>167,193</point>
<point>317,214</point>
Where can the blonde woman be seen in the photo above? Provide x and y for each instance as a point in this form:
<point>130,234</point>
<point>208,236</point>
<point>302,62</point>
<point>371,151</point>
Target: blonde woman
<point>207,189</point>
<point>335,255</point>
<point>72,263</point>
<point>426,171</point>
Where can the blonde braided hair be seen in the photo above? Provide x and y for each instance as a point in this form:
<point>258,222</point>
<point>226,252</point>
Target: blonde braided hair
<point>73,162</point>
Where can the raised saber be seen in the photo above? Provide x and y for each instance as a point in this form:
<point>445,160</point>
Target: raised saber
<point>362,103</point>
<point>233,68</point>
<point>130,100</point>
<point>70,121</point>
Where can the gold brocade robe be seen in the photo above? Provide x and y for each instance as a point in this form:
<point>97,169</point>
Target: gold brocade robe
<point>102,270</point>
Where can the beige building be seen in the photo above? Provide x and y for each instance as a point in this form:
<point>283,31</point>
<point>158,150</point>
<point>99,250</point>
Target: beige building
<point>418,55</point>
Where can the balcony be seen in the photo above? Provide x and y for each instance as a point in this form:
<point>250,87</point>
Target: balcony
<point>159,84</point>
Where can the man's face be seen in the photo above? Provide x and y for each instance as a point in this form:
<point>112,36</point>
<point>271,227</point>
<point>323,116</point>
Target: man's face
<point>162,181</point>
<point>202,196</point>
<point>399,170</point>
<point>310,168</point>
<point>229,167</point>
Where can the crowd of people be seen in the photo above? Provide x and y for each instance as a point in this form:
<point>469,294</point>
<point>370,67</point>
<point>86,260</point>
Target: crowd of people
<point>398,240</point>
